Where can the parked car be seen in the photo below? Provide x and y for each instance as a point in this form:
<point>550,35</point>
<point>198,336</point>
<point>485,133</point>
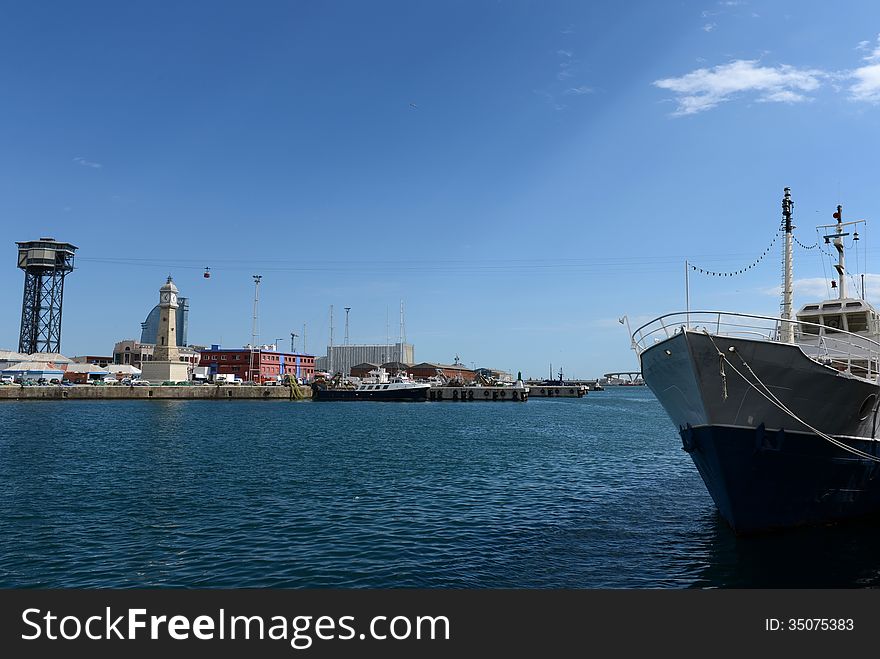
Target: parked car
<point>7,379</point>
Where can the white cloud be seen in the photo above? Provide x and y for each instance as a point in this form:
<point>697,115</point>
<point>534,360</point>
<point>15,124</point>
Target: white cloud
<point>564,53</point>
<point>704,88</point>
<point>708,27</point>
<point>867,85</point>
<point>818,288</point>
<point>784,96</point>
<point>87,163</point>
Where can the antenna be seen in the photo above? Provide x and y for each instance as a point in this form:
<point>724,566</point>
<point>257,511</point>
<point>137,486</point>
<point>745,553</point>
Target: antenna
<point>330,350</point>
<point>304,338</point>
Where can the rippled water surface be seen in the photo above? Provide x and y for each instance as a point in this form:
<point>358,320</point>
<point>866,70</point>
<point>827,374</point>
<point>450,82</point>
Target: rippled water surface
<point>582,493</point>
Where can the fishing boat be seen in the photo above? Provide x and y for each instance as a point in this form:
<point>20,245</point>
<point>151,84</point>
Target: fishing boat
<point>378,385</point>
<point>779,414</point>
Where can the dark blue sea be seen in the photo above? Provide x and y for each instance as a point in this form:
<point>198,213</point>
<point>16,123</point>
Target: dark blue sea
<point>583,493</point>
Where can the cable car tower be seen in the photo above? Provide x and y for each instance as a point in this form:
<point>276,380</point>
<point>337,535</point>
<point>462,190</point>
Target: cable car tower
<point>45,263</point>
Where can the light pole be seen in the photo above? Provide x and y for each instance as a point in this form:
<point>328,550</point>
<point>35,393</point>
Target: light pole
<point>347,367</point>
<point>255,370</point>
<point>293,336</point>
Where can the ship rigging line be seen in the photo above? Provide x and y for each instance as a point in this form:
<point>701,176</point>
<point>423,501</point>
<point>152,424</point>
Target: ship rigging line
<point>773,399</point>
<point>741,271</point>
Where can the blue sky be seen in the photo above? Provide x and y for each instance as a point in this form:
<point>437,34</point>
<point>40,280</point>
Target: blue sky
<point>521,174</point>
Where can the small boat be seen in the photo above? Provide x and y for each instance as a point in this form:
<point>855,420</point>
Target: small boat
<point>377,386</point>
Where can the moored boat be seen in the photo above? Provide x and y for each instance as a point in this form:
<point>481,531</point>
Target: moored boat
<point>377,386</point>
<point>779,415</point>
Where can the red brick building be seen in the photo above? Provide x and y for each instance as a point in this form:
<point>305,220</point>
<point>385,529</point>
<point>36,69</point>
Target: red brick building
<point>258,365</point>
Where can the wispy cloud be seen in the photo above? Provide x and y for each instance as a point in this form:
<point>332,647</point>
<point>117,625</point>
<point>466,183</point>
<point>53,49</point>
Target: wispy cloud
<point>565,84</point>
<point>867,85</point>
<point>579,91</point>
<point>87,163</point>
<point>706,88</point>
<point>565,70</point>
<point>708,27</point>
<point>568,29</point>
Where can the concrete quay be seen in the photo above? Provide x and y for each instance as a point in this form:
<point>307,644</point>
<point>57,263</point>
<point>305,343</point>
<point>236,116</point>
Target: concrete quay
<point>488,394</point>
<point>157,392</point>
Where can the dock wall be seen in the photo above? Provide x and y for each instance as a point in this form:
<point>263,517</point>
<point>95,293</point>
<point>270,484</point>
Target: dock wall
<point>205,392</point>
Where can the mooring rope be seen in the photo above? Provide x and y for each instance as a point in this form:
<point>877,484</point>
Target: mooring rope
<point>770,396</point>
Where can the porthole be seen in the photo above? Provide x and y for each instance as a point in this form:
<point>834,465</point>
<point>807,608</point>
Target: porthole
<point>867,406</point>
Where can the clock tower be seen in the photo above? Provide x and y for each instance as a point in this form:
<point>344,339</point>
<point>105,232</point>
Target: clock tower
<point>166,338</point>
<point>166,365</point>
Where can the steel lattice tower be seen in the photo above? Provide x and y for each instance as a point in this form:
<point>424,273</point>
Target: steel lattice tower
<point>45,263</point>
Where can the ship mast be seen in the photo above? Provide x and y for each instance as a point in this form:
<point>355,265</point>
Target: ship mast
<point>838,245</point>
<point>787,329</point>
<point>836,239</point>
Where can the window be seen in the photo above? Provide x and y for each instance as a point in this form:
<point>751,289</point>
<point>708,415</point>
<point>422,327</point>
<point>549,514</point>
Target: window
<point>857,322</point>
<point>809,329</point>
<point>832,323</point>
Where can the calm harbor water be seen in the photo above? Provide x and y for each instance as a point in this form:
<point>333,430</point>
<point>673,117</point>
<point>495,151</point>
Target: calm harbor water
<point>582,493</point>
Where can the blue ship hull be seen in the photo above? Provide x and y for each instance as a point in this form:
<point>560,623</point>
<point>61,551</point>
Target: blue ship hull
<point>763,479</point>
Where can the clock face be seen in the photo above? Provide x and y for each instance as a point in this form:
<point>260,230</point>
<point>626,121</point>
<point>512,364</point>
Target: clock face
<point>166,297</point>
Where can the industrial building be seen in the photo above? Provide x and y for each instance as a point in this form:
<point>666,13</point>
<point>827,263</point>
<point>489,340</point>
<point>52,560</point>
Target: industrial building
<point>79,373</point>
<point>426,370</point>
<point>98,360</point>
<point>32,366</point>
<point>341,359</point>
<point>258,364</point>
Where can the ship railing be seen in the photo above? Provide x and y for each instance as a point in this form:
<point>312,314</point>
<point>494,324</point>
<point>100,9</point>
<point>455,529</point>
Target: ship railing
<point>839,349</point>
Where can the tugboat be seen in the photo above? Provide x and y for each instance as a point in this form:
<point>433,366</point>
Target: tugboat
<point>377,386</point>
<point>778,414</point>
